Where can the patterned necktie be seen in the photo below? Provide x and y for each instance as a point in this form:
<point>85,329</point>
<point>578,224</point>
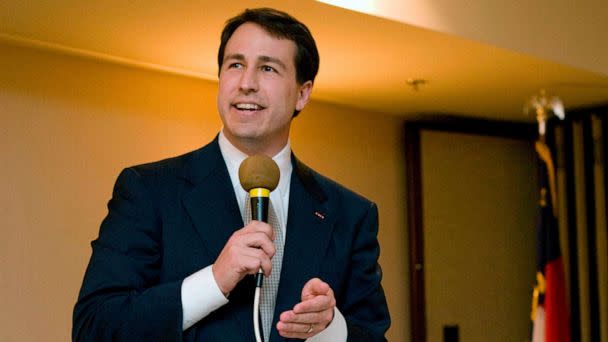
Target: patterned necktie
<point>271,284</point>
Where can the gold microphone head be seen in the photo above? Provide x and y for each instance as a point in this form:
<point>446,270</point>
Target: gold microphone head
<point>259,171</point>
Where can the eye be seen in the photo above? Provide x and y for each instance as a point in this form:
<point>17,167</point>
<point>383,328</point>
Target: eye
<point>268,68</point>
<point>235,65</point>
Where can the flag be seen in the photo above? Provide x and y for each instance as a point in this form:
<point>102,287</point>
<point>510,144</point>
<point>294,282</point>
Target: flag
<point>550,314</point>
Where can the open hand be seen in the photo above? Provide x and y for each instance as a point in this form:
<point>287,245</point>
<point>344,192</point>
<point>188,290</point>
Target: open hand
<point>312,315</point>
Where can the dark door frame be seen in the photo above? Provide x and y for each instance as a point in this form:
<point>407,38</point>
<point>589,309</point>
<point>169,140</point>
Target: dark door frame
<point>413,167</point>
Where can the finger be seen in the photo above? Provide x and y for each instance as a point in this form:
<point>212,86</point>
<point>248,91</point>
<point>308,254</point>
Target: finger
<point>257,259</point>
<point>316,304</point>
<point>303,318</point>
<point>260,241</point>
<point>257,240</point>
<point>258,226</point>
<point>313,287</point>
<point>296,330</point>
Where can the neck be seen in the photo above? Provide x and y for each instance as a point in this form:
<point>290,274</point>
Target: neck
<point>253,146</point>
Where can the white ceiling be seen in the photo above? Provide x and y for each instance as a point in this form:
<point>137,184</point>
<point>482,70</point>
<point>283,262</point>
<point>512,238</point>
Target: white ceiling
<point>365,59</point>
<point>565,31</point>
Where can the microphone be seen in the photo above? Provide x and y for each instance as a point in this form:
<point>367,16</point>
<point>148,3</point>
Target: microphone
<point>259,175</point>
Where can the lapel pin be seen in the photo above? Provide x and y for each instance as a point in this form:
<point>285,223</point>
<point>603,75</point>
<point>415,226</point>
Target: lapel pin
<point>319,215</point>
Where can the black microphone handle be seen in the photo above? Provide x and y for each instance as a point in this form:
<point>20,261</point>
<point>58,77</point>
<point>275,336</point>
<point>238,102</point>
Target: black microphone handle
<point>259,209</point>
<point>259,212</point>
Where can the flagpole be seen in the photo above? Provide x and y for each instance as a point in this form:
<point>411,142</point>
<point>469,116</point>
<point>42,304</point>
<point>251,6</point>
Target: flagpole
<point>549,310</point>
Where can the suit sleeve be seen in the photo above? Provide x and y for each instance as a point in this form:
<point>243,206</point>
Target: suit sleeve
<point>364,306</point>
<point>121,298</point>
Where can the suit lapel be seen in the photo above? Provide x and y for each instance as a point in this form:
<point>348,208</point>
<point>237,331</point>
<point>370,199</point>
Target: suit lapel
<point>211,203</point>
<point>308,232</point>
<point>213,209</point>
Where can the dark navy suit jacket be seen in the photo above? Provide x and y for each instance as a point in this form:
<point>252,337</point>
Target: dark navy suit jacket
<point>171,218</point>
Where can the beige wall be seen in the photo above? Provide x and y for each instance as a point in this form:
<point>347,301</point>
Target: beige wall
<point>479,208</point>
<point>68,125</point>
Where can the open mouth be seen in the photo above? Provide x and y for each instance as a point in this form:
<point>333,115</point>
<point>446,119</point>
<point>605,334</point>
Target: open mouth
<point>249,107</point>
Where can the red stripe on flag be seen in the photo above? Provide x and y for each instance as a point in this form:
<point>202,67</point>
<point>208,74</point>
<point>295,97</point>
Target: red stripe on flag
<point>557,322</point>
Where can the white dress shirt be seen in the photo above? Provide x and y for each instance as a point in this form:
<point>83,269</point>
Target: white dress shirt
<point>200,293</point>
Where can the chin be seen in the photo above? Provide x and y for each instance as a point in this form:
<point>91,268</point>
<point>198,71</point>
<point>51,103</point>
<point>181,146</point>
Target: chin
<point>244,133</point>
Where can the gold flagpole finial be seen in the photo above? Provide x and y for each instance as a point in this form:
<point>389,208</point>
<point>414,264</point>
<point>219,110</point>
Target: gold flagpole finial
<point>543,105</point>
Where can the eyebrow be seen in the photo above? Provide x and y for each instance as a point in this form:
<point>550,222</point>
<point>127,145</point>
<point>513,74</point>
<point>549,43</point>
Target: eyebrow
<point>272,60</point>
<point>266,59</point>
<point>237,56</point>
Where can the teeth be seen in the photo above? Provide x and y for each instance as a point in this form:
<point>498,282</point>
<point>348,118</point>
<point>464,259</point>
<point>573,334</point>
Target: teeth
<point>248,106</point>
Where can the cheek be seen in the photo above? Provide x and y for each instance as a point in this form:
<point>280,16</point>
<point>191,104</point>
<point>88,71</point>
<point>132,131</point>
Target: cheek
<point>222,85</point>
<point>226,83</point>
<point>223,95</point>
<point>223,98</point>
<point>285,95</point>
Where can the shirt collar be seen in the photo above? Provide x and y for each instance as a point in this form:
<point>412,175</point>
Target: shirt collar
<point>234,157</point>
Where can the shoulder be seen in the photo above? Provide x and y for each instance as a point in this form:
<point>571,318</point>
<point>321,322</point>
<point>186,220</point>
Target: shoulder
<point>330,191</point>
<point>181,166</point>
<point>168,166</point>
<point>172,175</point>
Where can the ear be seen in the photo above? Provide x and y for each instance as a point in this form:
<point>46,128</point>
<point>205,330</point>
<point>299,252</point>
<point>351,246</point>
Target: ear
<point>304,95</point>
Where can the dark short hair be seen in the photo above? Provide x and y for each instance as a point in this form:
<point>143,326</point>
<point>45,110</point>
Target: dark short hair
<point>281,25</point>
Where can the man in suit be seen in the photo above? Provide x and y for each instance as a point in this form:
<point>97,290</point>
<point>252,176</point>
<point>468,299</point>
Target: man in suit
<point>174,258</point>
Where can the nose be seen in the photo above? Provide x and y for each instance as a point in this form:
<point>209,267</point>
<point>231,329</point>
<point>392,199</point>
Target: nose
<point>249,81</point>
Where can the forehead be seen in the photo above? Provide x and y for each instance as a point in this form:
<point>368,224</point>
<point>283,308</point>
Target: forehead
<point>253,41</point>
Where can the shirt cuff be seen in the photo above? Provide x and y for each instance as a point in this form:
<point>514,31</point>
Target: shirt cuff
<point>200,296</point>
<point>335,331</point>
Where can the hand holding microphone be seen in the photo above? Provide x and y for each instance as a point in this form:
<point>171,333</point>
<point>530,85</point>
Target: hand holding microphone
<point>250,249</point>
